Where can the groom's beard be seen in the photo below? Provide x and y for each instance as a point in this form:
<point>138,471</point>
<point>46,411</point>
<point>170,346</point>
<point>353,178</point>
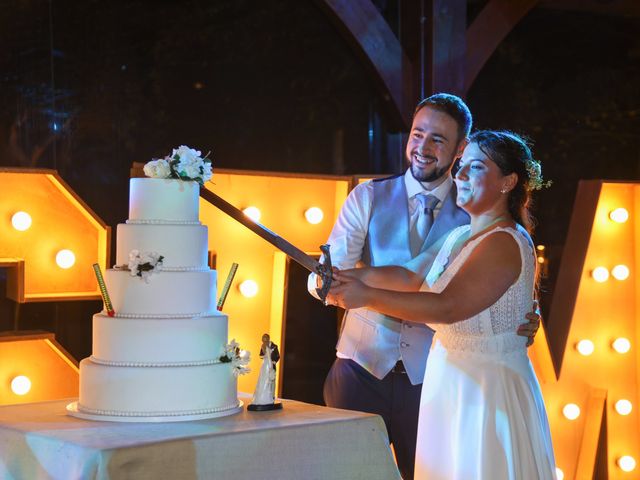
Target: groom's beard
<point>436,174</point>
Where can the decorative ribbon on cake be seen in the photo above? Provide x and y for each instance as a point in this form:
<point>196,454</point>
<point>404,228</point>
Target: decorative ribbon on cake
<point>103,290</point>
<point>227,286</point>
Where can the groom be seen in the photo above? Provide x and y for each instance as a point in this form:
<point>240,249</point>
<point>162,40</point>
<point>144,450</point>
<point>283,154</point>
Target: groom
<point>381,360</point>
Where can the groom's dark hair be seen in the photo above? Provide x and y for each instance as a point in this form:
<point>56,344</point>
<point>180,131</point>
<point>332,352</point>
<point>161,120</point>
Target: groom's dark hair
<point>453,106</point>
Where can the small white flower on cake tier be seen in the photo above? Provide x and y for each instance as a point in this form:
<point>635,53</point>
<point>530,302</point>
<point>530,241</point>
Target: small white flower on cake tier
<point>238,358</point>
<point>144,264</point>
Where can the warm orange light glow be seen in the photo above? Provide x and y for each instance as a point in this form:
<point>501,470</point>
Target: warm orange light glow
<point>65,258</point>
<point>62,221</point>
<point>626,463</point>
<point>35,368</point>
<point>620,272</point>
<point>621,345</point>
<point>559,474</point>
<point>21,221</point>
<point>314,215</point>
<point>248,288</point>
<point>571,411</point>
<point>619,215</point>
<point>283,199</point>
<point>585,347</point>
<point>600,274</point>
<point>20,385</point>
<point>623,407</point>
<point>253,213</point>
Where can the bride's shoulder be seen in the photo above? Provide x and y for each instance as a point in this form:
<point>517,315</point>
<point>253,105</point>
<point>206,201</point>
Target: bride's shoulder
<point>520,235</point>
<point>500,244</point>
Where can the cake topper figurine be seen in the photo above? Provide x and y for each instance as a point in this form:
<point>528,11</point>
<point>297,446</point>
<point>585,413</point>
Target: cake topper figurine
<point>264,397</point>
<point>103,290</point>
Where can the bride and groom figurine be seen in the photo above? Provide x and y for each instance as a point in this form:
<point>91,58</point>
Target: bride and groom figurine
<point>264,397</point>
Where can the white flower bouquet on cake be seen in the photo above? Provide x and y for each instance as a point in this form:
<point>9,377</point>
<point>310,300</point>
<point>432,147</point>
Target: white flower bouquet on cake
<point>184,163</point>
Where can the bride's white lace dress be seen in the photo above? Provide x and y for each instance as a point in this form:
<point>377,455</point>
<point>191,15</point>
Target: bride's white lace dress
<point>482,414</point>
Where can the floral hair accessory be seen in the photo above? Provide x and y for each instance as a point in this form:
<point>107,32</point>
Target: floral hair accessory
<point>184,163</point>
<point>238,358</point>
<point>534,170</point>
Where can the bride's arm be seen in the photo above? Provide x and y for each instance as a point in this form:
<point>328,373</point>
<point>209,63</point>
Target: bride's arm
<point>487,273</point>
<point>406,278</point>
<point>388,278</point>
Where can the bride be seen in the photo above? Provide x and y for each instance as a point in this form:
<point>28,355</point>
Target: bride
<point>482,414</point>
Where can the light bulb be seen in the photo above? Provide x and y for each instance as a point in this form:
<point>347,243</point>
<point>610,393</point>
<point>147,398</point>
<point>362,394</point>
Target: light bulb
<point>585,347</point>
<point>623,406</point>
<point>619,215</point>
<point>314,215</point>
<point>253,213</point>
<point>621,345</point>
<point>65,258</point>
<point>571,411</point>
<point>21,221</point>
<point>620,272</point>
<point>626,463</point>
<point>20,385</point>
<point>600,274</point>
<point>559,474</point>
<point>248,288</point>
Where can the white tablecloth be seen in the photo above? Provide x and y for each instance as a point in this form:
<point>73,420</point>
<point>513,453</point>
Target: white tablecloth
<point>301,442</point>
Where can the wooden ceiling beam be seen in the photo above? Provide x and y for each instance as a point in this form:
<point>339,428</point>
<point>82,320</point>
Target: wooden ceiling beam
<point>367,31</point>
<point>489,28</point>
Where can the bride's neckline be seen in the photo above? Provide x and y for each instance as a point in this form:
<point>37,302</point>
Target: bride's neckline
<point>500,222</point>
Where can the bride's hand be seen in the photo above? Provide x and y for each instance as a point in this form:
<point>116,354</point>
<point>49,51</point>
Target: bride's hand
<point>348,292</point>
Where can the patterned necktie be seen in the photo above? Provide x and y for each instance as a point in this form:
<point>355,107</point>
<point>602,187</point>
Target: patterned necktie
<point>424,221</point>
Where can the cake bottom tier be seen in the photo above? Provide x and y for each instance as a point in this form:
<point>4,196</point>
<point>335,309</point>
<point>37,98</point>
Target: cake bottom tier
<point>118,391</point>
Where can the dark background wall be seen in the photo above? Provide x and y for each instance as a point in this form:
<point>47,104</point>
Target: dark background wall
<point>90,87</point>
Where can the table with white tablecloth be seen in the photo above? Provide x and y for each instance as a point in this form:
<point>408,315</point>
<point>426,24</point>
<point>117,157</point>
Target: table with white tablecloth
<point>301,441</point>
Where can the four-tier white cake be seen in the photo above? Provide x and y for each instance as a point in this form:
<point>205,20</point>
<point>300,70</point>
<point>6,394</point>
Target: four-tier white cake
<point>158,357</point>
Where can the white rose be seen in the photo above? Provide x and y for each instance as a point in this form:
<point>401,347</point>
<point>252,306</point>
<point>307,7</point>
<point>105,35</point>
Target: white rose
<point>185,153</point>
<point>207,172</point>
<point>190,170</point>
<point>157,169</point>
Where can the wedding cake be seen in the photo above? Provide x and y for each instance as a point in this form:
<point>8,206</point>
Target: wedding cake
<point>161,352</point>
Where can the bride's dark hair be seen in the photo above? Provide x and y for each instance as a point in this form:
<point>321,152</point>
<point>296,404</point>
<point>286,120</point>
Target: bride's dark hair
<point>512,154</point>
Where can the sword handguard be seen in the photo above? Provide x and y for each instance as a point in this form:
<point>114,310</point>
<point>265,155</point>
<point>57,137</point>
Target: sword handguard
<point>325,270</point>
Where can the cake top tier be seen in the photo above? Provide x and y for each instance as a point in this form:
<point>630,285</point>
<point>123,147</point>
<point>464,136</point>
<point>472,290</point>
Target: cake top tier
<point>159,200</point>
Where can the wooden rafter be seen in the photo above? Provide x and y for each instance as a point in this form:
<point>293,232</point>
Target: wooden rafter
<point>368,33</point>
<point>486,32</point>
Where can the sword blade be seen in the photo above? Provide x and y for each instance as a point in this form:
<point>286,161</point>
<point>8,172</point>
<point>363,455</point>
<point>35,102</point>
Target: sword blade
<point>273,238</point>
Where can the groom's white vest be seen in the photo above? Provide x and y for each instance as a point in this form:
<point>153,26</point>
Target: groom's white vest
<point>376,341</point>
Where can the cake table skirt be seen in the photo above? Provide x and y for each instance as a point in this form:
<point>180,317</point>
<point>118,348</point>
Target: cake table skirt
<point>301,441</point>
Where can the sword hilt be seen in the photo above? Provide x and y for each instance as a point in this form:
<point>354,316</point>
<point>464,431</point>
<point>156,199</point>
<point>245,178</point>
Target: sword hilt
<point>325,271</point>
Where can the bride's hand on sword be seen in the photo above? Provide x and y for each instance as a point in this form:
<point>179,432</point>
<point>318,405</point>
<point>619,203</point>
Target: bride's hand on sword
<point>347,291</point>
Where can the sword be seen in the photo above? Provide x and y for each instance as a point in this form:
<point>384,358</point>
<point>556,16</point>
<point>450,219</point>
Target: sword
<point>324,269</point>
